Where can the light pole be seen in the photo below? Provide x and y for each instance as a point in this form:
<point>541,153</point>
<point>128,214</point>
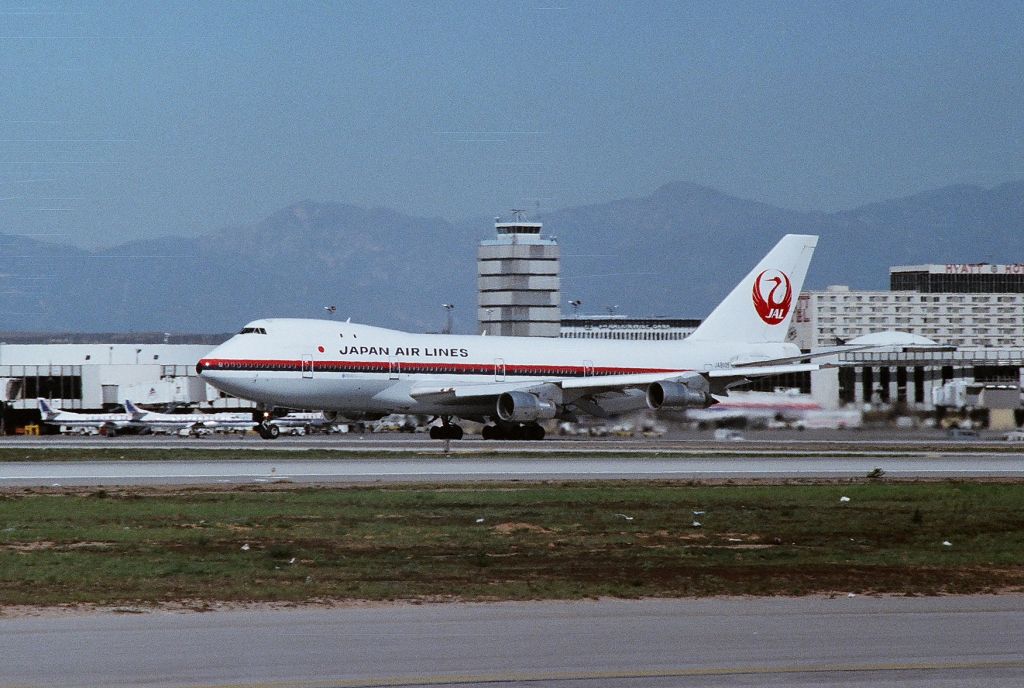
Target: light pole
<point>576,303</point>
<point>448,308</point>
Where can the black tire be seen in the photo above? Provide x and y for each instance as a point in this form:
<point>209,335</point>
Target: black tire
<point>534,432</point>
<point>436,433</point>
<point>455,432</point>
<point>273,432</point>
<point>490,432</point>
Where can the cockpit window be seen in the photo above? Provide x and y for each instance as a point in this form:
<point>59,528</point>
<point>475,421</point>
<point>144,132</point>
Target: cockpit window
<point>253,330</point>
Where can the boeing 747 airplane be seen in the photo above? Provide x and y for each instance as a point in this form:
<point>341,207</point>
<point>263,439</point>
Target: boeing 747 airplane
<point>513,383</point>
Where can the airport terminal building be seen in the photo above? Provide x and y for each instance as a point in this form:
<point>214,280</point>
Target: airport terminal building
<point>975,309</point>
<point>627,328</point>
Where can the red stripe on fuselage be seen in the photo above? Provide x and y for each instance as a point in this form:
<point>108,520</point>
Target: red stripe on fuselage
<point>431,367</point>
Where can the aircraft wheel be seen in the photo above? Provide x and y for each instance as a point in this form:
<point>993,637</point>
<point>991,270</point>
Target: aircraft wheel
<point>534,432</point>
<point>490,432</point>
<point>273,432</point>
<point>446,432</point>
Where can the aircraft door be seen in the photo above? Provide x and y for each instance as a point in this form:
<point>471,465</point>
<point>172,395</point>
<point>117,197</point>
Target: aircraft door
<point>499,370</point>
<point>588,368</point>
<point>394,368</point>
<point>307,366</point>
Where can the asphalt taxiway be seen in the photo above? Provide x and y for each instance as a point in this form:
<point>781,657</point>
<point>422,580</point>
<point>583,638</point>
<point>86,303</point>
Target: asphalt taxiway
<point>775,642</point>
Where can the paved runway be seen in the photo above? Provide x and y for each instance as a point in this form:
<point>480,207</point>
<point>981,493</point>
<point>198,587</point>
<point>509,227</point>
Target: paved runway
<point>845,441</point>
<point>918,642</point>
<point>433,468</point>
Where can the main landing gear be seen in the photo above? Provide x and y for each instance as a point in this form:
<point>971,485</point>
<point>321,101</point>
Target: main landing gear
<point>268,431</point>
<point>508,431</point>
<point>446,431</point>
<point>500,431</point>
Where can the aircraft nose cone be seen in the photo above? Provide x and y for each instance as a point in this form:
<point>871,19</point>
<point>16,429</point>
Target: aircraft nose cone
<point>200,367</point>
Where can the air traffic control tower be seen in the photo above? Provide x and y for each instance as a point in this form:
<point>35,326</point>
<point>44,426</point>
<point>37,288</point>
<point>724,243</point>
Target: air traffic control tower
<point>518,282</point>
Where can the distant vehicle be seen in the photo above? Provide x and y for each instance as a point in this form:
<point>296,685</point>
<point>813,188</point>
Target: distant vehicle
<point>1014,436</point>
<point>727,435</point>
<point>69,421</point>
<point>294,423</point>
<point>963,433</point>
<point>190,422</point>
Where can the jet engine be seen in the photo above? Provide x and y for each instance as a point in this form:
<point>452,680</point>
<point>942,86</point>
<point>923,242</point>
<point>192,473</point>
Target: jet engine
<point>677,395</point>
<point>523,407</point>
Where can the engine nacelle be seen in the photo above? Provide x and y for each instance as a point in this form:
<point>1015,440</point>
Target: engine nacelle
<point>523,407</point>
<point>677,395</point>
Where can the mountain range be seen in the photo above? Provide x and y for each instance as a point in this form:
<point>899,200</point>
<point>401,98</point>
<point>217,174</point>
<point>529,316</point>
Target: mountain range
<point>675,252</point>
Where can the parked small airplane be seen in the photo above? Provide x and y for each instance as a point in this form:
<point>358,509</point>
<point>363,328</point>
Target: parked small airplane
<point>190,421</point>
<point>512,383</point>
<point>108,423</point>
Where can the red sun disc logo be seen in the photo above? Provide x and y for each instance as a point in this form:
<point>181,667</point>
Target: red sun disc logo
<point>773,296</point>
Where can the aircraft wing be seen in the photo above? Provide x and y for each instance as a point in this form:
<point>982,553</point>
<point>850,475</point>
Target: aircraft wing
<point>457,392</point>
<point>720,380</point>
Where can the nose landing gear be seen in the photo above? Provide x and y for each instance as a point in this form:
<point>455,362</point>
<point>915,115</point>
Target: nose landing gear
<point>268,431</point>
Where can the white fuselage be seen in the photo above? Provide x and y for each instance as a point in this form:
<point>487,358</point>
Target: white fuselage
<point>195,420</point>
<point>357,369</point>
<point>90,420</point>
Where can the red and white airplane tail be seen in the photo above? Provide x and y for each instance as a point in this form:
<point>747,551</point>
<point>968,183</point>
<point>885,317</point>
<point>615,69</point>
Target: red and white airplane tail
<point>760,308</point>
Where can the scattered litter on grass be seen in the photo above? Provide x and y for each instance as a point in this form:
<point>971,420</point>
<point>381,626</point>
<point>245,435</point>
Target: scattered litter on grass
<point>245,547</point>
<point>628,518</point>
<point>479,520</point>
<point>844,498</point>
<point>509,528</point>
<point>947,543</point>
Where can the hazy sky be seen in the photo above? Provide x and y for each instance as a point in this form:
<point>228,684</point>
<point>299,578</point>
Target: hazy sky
<point>135,119</point>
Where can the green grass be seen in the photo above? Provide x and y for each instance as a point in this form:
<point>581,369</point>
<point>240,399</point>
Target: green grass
<point>537,541</point>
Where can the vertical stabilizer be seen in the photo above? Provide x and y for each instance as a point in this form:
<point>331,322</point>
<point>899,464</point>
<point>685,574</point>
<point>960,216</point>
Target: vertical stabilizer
<point>134,411</point>
<point>760,308</point>
<point>45,410</point>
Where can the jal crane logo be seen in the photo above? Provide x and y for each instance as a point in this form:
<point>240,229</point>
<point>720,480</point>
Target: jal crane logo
<point>773,296</point>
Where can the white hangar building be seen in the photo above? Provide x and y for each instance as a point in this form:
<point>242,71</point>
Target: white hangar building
<point>100,375</point>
